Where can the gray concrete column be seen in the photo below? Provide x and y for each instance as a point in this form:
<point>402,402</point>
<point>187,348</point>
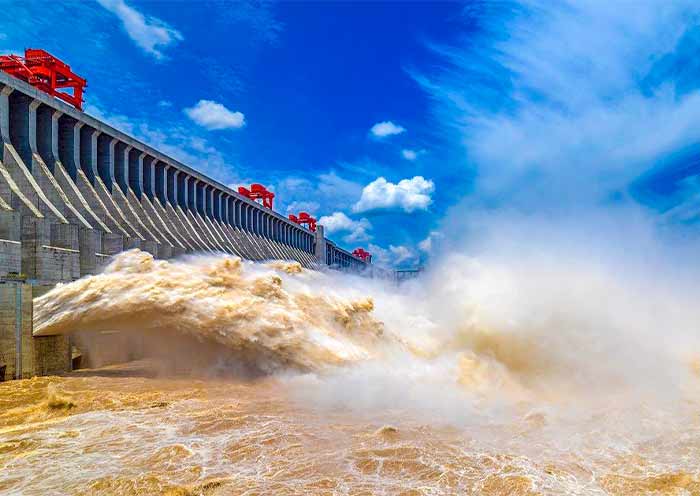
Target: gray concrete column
<point>168,186</point>
<point>33,106</point>
<point>77,145</point>
<point>112,147</point>
<point>104,160</point>
<point>224,208</point>
<point>88,151</point>
<point>201,201</point>
<point>181,190</point>
<point>20,126</point>
<point>160,180</point>
<point>149,177</point>
<point>136,176</point>
<point>192,193</point>
<point>189,192</point>
<point>216,203</point>
<point>209,196</point>
<point>122,173</point>
<point>177,193</point>
<point>171,185</point>
<point>192,185</point>
<point>67,144</point>
<point>44,136</point>
<point>55,116</point>
<point>5,114</point>
<point>320,244</point>
<point>92,164</point>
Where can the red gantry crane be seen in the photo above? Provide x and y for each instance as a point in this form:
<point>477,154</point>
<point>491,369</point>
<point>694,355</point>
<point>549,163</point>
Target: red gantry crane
<point>258,192</point>
<point>363,255</point>
<point>47,73</point>
<point>304,219</point>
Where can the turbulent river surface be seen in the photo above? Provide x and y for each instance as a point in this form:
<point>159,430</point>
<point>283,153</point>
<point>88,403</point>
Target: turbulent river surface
<point>482,378</point>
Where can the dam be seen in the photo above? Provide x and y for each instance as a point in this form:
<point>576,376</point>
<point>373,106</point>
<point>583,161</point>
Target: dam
<point>75,191</point>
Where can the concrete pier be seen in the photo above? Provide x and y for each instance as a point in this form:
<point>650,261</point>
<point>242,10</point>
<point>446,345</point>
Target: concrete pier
<point>22,354</point>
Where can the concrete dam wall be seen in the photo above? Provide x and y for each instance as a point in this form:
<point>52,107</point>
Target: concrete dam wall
<point>74,191</point>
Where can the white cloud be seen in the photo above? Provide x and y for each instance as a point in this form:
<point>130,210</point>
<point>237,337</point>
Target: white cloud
<point>394,256</point>
<point>165,103</point>
<point>303,206</point>
<point>212,115</point>
<point>402,254</point>
<point>327,192</point>
<point>149,33</point>
<point>117,121</point>
<point>339,222</point>
<point>409,154</point>
<point>426,245</point>
<point>386,128</point>
<point>177,141</point>
<point>551,136</point>
<point>341,190</point>
<point>408,195</point>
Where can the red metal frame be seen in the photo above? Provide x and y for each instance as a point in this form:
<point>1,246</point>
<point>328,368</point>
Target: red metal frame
<point>258,192</point>
<point>47,73</point>
<point>363,255</point>
<point>304,218</point>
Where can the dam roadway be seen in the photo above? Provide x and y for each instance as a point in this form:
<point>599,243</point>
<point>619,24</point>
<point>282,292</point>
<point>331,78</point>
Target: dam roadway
<point>75,191</point>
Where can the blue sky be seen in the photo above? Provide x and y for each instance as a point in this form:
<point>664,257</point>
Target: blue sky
<point>396,120</point>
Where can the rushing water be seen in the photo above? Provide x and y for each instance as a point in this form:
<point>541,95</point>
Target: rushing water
<point>485,378</point>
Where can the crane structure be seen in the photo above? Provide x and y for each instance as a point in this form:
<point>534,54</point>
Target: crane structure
<point>258,192</point>
<point>363,255</point>
<point>304,219</point>
<point>47,73</point>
